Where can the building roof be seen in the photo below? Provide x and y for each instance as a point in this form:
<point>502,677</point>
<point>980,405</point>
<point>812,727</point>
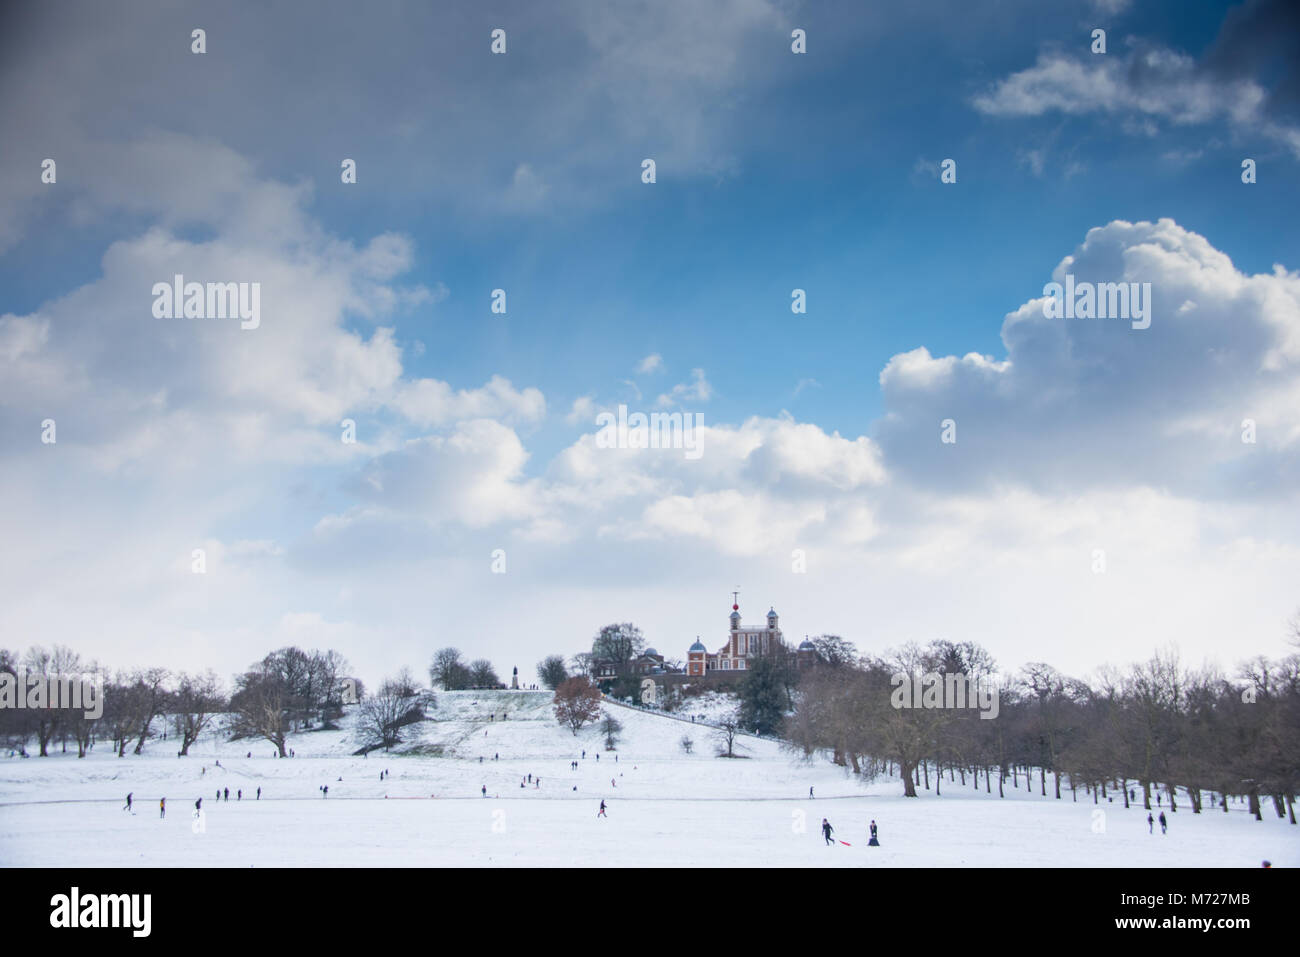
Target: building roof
<point>698,646</point>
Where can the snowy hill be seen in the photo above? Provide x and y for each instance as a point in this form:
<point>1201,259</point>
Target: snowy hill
<point>665,807</point>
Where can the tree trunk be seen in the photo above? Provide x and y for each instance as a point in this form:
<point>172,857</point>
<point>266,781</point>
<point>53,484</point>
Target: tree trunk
<point>1254,803</point>
<point>909,785</point>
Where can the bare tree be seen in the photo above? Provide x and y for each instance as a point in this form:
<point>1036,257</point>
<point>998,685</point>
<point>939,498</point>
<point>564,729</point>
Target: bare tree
<point>196,702</point>
<point>728,728</point>
<point>380,715</point>
<point>150,699</point>
<point>610,727</point>
<point>448,671</point>
<point>482,674</point>
<point>262,704</point>
<point>577,703</point>
<point>551,672</point>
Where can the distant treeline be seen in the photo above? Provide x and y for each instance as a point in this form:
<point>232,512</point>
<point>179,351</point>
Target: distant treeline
<point>1155,726</point>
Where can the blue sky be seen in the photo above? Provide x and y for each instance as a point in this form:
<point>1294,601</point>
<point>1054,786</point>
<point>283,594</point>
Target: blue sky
<point>775,171</point>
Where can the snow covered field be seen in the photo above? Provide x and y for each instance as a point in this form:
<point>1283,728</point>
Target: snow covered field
<point>666,808</point>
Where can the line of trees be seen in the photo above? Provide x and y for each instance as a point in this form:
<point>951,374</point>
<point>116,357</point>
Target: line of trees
<point>1155,726</point>
<point>288,690</point>
<point>450,672</point>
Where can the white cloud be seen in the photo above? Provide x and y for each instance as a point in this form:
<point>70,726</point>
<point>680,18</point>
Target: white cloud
<point>1147,84</point>
<point>431,402</point>
<point>651,363</point>
<point>696,390</point>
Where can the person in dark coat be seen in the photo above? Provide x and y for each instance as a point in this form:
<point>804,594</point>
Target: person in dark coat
<point>1163,823</point>
<point>827,831</point>
<point>873,842</point>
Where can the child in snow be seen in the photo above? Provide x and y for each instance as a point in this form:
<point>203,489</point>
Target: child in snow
<point>827,831</point>
<point>602,809</point>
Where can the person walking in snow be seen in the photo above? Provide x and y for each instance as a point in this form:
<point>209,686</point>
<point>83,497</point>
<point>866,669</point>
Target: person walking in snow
<point>325,791</point>
<point>827,831</point>
<point>227,795</point>
<point>485,790</point>
<point>1163,823</point>
<point>1151,824</point>
<point>810,793</point>
<point>128,802</point>
<point>259,794</point>
<point>873,842</point>
<point>239,795</point>
<point>162,808</point>
<point>198,806</point>
<point>602,809</point>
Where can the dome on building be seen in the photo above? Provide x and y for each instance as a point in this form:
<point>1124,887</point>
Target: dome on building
<point>651,651</point>
<point>699,646</point>
<point>735,616</point>
<point>807,645</point>
<point>771,613</point>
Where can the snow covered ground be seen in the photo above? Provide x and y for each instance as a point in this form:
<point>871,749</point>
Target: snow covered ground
<point>666,808</point>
